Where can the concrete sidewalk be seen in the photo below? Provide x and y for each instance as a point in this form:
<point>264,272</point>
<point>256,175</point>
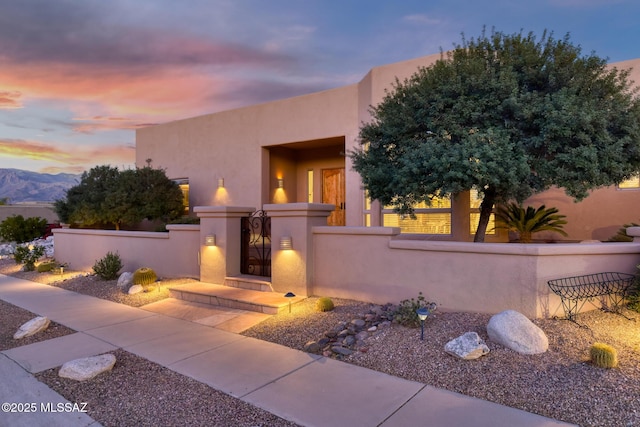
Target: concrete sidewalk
<point>307,389</point>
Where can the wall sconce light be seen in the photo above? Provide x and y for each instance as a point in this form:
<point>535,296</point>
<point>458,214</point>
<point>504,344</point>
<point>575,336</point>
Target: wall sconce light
<point>210,240</point>
<point>285,243</point>
<point>280,183</point>
<point>220,182</point>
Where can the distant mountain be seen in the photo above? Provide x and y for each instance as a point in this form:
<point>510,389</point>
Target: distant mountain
<point>25,186</point>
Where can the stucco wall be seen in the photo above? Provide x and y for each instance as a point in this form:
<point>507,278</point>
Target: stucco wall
<point>172,254</point>
<point>373,264</point>
<point>598,217</point>
<point>28,211</point>
<point>232,144</point>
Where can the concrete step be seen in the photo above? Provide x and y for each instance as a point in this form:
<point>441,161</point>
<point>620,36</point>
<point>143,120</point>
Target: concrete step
<point>232,297</point>
<point>225,318</point>
<point>253,283</point>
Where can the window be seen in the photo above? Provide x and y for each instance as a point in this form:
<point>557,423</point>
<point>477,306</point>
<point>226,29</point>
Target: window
<point>633,182</point>
<point>474,215</point>
<point>183,183</point>
<point>433,219</point>
<point>310,186</point>
<point>367,210</point>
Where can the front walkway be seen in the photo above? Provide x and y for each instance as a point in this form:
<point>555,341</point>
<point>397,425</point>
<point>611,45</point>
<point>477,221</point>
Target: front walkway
<point>304,388</point>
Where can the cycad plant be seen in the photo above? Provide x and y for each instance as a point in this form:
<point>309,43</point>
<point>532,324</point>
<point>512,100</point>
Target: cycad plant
<point>525,222</point>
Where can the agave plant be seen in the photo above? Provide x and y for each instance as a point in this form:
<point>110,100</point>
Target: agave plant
<point>525,222</point>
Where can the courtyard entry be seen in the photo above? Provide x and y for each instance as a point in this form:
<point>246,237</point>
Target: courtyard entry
<point>255,251</point>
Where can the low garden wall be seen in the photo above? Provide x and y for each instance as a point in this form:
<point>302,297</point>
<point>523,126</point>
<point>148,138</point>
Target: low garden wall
<point>375,264</point>
<point>379,265</point>
<point>171,254</point>
<point>29,210</point>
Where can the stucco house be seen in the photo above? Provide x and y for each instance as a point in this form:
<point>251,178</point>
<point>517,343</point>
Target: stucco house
<point>294,150</point>
<point>287,161</point>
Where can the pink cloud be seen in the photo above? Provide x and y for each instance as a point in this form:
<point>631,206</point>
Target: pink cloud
<point>74,158</point>
<point>10,99</point>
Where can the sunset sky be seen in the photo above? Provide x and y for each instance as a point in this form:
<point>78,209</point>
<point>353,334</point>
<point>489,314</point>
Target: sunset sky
<point>78,77</point>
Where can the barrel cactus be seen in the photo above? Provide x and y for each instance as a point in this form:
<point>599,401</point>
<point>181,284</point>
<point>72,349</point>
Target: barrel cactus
<point>144,277</point>
<point>324,304</point>
<point>603,355</point>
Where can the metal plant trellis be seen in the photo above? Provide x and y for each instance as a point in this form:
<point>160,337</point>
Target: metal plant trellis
<point>256,245</point>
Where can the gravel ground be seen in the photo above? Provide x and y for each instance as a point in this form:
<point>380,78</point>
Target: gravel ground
<point>12,317</point>
<point>560,383</point>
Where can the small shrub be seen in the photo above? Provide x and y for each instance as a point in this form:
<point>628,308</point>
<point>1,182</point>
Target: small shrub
<point>405,314</point>
<point>18,229</point>
<point>621,235</point>
<point>108,267</point>
<point>46,266</point>
<point>144,277</point>
<point>28,255</point>
<point>603,355</point>
<point>324,304</point>
<point>514,217</point>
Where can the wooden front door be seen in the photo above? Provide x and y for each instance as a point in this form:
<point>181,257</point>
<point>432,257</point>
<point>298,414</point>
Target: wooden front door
<point>333,192</point>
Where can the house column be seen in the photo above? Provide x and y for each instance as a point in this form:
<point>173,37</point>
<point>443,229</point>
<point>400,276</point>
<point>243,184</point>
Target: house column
<point>223,259</point>
<point>292,269</point>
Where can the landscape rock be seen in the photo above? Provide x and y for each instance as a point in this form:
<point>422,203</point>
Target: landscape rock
<point>468,346</point>
<point>514,331</point>
<point>125,281</point>
<point>135,289</point>
<point>32,327</point>
<point>88,367</point>
<point>312,347</point>
<point>348,337</point>
<point>344,351</point>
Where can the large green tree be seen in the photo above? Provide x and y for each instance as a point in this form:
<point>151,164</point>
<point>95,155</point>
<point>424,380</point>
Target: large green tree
<point>106,195</point>
<point>506,115</point>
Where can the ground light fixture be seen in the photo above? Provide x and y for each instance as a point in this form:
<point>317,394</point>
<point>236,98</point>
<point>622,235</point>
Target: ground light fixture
<point>210,240</point>
<point>289,295</point>
<point>422,313</point>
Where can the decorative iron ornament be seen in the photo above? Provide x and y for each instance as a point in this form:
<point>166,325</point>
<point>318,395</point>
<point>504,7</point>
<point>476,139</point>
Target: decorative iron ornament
<point>575,291</point>
<point>256,245</point>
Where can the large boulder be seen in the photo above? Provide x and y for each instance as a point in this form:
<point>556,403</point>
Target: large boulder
<point>87,367</point>
<point>514,331</point>
<point>32,327</point>
<point>468,346</point>
<point>125,281</point>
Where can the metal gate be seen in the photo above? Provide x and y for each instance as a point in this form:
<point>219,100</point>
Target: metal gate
<point>255,256</point>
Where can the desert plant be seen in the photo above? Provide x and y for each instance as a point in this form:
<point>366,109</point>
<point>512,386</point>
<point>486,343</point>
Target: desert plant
<point>603,355</point>
<point>28,255</point>
<point>324,304</point>
<point>621,235</point>
<point>633,297</point>
<point>144,276</point>
<point>525,222</point>
<point>107,268</point>
<point>405,314</point>
<point>18,229</point>
<point>46,266</point>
